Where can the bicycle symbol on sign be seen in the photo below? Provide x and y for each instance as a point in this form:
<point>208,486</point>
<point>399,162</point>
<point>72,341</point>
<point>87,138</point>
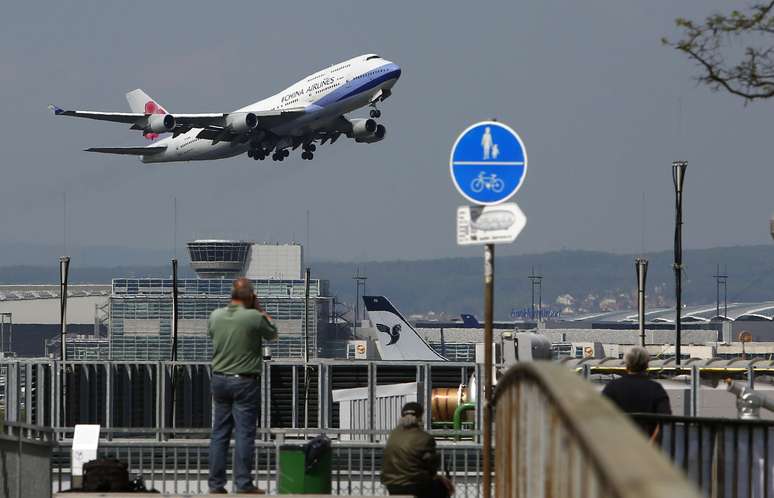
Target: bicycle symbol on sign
<point>482,182</point>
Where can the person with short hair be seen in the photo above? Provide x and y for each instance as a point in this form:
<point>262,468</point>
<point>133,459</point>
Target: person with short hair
<point>237,333</point>
<point>410,459</point>
<point>634,392</point>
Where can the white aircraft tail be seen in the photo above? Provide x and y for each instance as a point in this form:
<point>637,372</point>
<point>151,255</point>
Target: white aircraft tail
<point>141,102</point>
<point>398,339</point>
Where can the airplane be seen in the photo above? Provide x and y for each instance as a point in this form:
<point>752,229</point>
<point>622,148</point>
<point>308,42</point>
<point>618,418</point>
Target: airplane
<point>311,110</point>
<point>398,340</point>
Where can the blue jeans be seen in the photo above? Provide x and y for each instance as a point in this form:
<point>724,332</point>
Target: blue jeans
<point>236,405</point>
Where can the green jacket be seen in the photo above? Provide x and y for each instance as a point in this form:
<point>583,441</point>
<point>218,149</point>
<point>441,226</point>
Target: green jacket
<point>237,339</point>
<point>409,457</point>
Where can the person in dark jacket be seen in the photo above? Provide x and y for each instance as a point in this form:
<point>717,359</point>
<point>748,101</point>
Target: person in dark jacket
<point>634,392</point>
<point>411,461</point>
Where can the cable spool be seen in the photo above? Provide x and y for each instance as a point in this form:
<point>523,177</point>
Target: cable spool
<point>445,402</point>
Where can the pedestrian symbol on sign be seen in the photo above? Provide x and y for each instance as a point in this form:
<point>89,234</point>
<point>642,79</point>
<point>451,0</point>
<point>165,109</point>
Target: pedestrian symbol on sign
<point>486,142</point>
<point>488,163</point>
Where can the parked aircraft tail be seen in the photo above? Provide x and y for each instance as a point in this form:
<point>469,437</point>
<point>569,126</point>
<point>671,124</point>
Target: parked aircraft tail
<point>398,339</point>
<point>470,321</point>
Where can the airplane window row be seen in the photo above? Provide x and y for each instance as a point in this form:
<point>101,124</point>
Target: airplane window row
<point>371,73</point>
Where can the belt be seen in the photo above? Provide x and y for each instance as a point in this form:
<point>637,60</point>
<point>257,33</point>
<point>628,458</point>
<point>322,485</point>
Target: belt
<point>246,376</point>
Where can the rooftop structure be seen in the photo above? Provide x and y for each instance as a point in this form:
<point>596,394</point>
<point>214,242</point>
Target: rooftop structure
<point>241,258</point>
<point>218,258</point>
<point>756,311</point>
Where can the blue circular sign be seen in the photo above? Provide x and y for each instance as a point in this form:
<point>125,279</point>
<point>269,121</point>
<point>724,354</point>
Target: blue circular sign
<point>488,163</point>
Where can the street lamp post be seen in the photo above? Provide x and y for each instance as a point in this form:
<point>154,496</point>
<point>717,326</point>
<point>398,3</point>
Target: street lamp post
<point>641,264</point>
<point>678,176</point>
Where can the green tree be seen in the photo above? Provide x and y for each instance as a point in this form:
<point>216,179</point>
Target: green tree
<point>734,52</point>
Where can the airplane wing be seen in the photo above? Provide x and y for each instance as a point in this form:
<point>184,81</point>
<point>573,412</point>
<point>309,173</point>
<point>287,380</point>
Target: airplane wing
<point>266,121</point>
<point>215,122</point>
<point>129,151</point>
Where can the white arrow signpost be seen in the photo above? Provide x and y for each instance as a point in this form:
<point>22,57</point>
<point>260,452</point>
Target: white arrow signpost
<point>488,165</point>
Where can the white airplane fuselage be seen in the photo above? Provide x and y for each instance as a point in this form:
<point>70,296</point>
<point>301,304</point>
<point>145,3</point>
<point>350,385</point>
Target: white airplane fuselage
<point>324,96</point>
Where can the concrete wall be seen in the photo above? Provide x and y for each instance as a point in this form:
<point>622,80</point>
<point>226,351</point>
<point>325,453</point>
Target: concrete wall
<point>28,468</point>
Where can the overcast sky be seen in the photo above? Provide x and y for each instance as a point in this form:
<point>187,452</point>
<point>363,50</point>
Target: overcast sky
<point>601,105</point>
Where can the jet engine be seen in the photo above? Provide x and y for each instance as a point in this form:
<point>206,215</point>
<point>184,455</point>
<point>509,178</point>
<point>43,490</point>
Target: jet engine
<point>241,122</point>
<point>160,123</point>
<point>362,128</point>
<point>376,136</point>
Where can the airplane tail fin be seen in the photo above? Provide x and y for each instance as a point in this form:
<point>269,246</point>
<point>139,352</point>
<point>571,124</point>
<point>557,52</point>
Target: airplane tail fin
<point>470,321</point>
<point>398,339</point>
<point>140,101</point>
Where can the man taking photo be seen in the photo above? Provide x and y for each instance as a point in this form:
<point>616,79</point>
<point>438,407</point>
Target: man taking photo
<point>237,333</point>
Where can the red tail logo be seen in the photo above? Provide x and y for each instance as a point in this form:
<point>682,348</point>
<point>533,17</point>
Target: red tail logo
<point>153,108</point>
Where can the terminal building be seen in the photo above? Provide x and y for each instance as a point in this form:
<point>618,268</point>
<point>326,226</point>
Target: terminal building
<point>141,309</point>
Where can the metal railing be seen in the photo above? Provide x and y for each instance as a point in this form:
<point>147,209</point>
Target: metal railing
<point>25,451</point>
<point>557,436</point>
<point>724,457</point>
<point>180,465</point>
<point>140,394</point>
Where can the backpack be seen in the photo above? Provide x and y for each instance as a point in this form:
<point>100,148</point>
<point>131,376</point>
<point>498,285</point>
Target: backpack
<point>105,474</point>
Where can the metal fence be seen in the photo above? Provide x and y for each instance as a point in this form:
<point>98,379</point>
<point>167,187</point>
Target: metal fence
<point>179,464</point>
<point>166,394</point>
<point>724,457</point>
<point>557,436</point>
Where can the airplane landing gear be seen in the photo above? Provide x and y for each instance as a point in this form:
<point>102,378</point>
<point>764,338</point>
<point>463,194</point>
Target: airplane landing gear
<point>257,154</point>
<point>280,155</point>
<point>307,155</point>
<point>375,113</point>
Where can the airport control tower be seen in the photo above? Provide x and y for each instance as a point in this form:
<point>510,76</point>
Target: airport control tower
<point>141,309</point>
<point>219,258</point>
<point>240,258</point>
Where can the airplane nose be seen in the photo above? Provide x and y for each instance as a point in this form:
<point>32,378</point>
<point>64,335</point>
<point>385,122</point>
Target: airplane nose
<point>396,71</point>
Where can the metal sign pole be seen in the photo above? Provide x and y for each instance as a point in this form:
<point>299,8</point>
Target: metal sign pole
<point>488,341</point>
<point>488,164</point>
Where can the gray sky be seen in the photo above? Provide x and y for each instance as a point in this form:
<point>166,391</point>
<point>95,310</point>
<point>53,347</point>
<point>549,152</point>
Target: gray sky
<point>603,108</point>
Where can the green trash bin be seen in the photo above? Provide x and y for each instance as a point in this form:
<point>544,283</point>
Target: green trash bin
<point>305,468</point>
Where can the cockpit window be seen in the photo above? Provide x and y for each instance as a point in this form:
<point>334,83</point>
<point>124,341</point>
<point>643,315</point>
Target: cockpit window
<point>372,57</point>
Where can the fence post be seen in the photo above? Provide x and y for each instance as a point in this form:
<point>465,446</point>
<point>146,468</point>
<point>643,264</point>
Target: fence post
<point>751,376</point>
<point>371,399</point>
<point>695,388</point>
<point>108,394</point>
<point>18,464</point>
<point>12,393</point>
<point>28,393</point>
<point>427,390</point>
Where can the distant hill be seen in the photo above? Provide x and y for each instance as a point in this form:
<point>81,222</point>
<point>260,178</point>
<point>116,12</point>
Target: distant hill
<point>455,285</point>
